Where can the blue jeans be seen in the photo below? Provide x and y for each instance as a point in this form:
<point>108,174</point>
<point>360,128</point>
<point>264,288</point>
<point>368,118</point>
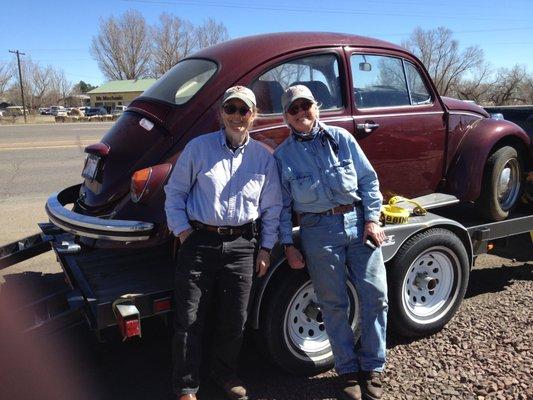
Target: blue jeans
<point>334,252</point>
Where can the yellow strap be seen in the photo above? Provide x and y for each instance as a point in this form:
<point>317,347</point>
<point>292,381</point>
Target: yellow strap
<point>393,214</point>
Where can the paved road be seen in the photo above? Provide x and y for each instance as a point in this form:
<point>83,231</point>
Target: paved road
<point>36,160</point>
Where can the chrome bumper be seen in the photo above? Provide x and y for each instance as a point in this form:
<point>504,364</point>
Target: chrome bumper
<point>93,227</point>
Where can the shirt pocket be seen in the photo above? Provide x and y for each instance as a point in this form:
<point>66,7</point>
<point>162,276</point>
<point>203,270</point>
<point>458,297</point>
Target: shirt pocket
<point>344,176</point>
<point>252,185</point>
<point>304,188</point>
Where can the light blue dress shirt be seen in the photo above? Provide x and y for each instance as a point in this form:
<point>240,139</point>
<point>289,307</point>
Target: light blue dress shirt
<point>220,187</point>
<point>324,172</point>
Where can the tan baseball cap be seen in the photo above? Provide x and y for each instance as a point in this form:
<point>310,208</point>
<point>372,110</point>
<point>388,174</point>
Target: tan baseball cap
<point>294,93</point>
<point>241,93</point>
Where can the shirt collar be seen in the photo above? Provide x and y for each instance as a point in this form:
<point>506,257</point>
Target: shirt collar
<point>223,141</point>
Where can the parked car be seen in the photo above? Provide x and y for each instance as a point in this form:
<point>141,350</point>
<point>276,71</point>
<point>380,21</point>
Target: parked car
<point>418,141</point>
<point>92,111</point>
<point>118,110</point>
<point>56,110</point>
<point>44,111</point>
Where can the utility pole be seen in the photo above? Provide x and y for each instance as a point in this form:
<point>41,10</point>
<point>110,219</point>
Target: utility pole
<point>18,53</point>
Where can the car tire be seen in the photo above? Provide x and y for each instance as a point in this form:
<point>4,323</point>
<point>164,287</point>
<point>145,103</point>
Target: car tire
<point>502,186</point>
<point>292,330</point>
<point>427,280</point>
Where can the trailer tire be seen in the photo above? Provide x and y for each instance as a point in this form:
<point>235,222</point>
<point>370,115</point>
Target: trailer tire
<point>292,340</point>
<point>502,186</point>
<point>427,281</point>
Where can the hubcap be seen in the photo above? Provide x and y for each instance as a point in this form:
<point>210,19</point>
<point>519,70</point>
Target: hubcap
<point>509,184</point>
<point>430,285</point>
<point>305,331</point>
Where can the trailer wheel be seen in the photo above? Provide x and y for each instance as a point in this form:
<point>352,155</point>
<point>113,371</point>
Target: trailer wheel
<point>503,180</point>
<point>427,281</point>
<point>292,328</point>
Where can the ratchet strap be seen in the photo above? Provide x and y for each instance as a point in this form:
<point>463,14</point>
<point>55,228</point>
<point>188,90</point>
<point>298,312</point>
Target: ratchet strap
<point>394,214</point>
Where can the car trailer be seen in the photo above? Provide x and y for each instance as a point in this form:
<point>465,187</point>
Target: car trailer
<point>428,261</point>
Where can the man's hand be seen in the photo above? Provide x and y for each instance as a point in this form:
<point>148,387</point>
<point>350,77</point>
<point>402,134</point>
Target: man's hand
<point>262,262</point>
<point>375,231</point>
<point>184,235</point>
<point>294,257</point>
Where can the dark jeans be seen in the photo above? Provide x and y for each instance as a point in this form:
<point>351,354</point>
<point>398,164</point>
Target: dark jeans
<point>210,265</point>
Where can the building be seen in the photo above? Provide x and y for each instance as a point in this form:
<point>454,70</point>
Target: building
<point>118,93</point>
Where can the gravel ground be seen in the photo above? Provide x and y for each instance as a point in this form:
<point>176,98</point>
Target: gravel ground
<point>485,352</point>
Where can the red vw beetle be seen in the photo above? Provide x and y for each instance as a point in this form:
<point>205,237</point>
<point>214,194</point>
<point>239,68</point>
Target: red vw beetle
<point>418,142</point>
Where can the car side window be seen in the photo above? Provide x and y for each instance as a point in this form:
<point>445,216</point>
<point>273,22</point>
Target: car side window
<point>379,81</point>
<point>320,73</point>
<point>417,88</point>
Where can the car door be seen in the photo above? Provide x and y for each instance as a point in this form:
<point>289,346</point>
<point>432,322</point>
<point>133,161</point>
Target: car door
<point>398,121</point>
<point>323,71</point>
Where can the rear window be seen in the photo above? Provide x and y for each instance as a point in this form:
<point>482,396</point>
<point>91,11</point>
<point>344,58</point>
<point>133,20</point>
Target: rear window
<point>183,81</point>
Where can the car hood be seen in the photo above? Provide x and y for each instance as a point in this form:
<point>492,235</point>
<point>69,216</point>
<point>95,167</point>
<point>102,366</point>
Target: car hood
<point>460,105</point>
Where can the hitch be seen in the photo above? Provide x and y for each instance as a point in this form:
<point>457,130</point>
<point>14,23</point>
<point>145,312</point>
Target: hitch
<point>29,247</point>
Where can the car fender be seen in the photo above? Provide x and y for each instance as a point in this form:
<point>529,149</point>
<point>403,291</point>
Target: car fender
<point>482,138</point>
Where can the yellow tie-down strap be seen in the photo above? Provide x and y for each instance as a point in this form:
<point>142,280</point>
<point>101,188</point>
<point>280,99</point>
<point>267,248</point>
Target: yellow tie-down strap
<point>394,214</point>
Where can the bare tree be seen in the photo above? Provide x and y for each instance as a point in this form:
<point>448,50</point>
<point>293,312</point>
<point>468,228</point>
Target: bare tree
<point>211,32</point>
<point>122,47</point>
<point>440,53</point>
<point>477,86</point>
<point>61,85</point>
<point>174,39</point>
<point>6,75</point>
<point>511,86</point>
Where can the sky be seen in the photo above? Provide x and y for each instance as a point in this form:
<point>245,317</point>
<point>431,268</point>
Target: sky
<point>59,33</point>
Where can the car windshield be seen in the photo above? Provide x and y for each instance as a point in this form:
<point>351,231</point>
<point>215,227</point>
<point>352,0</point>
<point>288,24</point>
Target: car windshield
<point>182,82</point>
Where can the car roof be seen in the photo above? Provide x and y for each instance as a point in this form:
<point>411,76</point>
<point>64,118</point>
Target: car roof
<point>257,48</point>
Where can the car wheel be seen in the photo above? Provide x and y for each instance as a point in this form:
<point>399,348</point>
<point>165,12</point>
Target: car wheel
<point>502,185</point>
<point>292,328</point>
<point>427,281</point>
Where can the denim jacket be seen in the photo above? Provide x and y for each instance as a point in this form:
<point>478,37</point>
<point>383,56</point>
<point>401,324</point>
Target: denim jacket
<point>324,172</point>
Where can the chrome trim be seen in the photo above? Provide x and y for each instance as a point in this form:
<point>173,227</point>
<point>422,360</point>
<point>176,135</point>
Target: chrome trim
<point>109,229</point>
<point>396,114</point>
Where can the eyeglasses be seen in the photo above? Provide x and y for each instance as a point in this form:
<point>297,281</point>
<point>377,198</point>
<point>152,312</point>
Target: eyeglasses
<point>232,109</point>
<point>295,108</point>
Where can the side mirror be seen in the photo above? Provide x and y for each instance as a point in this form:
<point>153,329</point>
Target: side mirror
<point>364,66</point>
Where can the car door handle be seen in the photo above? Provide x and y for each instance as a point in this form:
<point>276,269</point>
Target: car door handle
<point>367,127</point>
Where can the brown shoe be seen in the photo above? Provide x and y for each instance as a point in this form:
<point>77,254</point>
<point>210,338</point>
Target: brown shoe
<point>232,387</point>
<point>371,385</point>
<point>350,389</point>
<point>190,396</point>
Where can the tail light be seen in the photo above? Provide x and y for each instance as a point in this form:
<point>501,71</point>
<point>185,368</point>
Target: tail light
<point>145,182</point>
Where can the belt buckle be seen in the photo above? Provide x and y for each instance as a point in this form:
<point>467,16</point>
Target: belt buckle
<point>221,230</point>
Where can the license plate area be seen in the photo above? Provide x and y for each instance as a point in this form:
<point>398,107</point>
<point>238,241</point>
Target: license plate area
<point>90,169</point>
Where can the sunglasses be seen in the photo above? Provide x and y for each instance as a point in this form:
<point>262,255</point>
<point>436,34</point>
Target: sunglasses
<point>232,109</point>
<point>304,106</point>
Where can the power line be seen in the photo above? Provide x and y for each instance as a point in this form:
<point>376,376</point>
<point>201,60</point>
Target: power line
<point>313,10</point>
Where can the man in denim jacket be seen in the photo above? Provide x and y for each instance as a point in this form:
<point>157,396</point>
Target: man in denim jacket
<point>328,181</point>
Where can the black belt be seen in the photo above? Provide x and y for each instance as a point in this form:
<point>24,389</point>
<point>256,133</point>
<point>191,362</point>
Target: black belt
<point>342,209</point>
<point>250,229</point>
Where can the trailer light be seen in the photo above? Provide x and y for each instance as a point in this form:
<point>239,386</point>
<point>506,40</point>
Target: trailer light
<point>490,246</point>
<point>145,182</point>
<point>129,320</point>
<point>161,305</point>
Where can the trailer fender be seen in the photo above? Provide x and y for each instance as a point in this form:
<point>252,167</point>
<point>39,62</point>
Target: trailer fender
<point>397,235</point>
<point>278,264</point>
<point>465,172</point>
